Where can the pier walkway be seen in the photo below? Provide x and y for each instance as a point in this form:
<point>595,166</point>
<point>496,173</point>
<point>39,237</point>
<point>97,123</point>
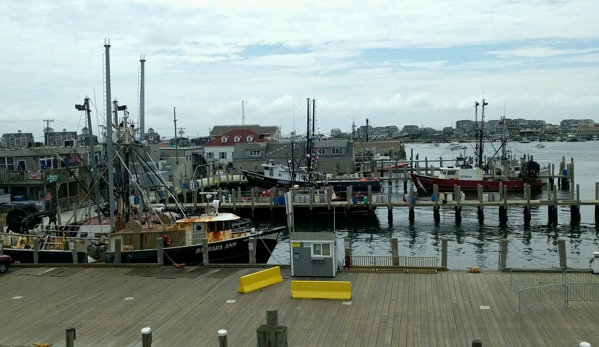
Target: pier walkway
<point>109,306</point>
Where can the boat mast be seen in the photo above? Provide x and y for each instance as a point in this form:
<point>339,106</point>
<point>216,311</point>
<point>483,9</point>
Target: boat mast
<point>478,159</point>
<point>312,151</point>
<point>308,145</point>
<point>480,140</point>
<point>92,158</point>
<point>109,139</point>
<point>176,145</point>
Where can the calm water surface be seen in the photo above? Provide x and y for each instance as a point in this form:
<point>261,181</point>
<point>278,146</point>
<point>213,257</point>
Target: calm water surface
<point>471,243</point>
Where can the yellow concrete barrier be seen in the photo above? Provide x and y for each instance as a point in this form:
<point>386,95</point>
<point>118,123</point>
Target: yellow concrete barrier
<point>260,279</point>
<point>337,290</point>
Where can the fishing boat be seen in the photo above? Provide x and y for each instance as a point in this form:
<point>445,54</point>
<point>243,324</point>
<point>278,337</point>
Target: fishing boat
<point>280,176</point>
<point>468,178</point>
<point>490,176</point>
<point>540,145</point>
<point>571,138</point>
<point>182,240</point>
<point>455,145</point>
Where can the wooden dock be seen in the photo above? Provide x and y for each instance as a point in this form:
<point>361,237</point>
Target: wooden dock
<point>186,307</point>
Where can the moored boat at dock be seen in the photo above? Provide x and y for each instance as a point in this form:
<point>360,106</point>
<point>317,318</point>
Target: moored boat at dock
<point>182,241</point>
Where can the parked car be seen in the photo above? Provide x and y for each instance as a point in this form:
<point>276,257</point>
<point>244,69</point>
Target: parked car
<point>5,261</point>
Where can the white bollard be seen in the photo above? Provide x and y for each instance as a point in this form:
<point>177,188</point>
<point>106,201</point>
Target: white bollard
<point>222,338</point>
<point>146,337</point>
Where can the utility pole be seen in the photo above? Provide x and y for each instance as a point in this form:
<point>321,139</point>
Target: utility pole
<point>176,144</point>
<point>47,130</point>
<point>181,132</point>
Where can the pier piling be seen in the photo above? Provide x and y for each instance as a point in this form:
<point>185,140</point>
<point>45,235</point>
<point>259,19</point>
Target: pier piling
<point>596,206</point>
<point>436,208</point>
<point>252,247</point>
<point>205,251</point>
<point>481,211</point>
<point>411,205</point>
<point>561,245</point>
<point>117,250</point>
<point>395,251</point>
<point>159,251</point>
<point>527,214</point>
<point>70,337</point>
<point>458,207</point>
<point>444,252</point>
<point>503,254</point>
<point>271,334</point>
<point>503,209</point>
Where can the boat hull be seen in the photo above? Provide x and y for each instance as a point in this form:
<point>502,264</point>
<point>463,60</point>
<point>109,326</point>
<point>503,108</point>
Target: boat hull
<point>358,186</point>
<point>426,183</point>
<point>256,179</point>
<point>232,251</point>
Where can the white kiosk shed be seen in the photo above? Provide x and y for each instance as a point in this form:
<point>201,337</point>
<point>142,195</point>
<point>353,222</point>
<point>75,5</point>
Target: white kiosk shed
<point>313,254</point>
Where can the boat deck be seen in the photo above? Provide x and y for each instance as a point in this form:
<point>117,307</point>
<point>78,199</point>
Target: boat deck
<point>186,307</point>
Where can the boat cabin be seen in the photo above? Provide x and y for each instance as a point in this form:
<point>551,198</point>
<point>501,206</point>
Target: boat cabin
<point>461,173</point>
<point>211,225</point>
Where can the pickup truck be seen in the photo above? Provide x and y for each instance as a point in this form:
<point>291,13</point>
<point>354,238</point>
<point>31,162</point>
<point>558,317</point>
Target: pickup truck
<point>5,261</point>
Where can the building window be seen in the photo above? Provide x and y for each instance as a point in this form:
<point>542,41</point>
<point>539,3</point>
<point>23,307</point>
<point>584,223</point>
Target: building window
<point>321,151</point>
<point>222,155</point>
<point>224,139</point>
<point>237,138</point>
<point>250,138</point>
<point>46,162</point>
<point>7,162</point>
<point>321,250</point>
<point>255,153</point>
<point>209,155</point>
<point>21,165</point>
<point>336,150</point>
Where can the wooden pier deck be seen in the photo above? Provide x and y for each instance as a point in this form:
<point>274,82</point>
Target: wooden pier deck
<point>186,307</point>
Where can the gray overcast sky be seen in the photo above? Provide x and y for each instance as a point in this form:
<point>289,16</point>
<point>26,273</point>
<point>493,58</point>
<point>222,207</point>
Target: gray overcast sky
<point>393,62</point>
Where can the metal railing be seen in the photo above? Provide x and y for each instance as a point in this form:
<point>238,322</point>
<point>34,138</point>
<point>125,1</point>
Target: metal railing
<point>582,292</point>
<point>545,286</point>
<point>542,295</point>
<point>525,278</point>
<point>391,263</point>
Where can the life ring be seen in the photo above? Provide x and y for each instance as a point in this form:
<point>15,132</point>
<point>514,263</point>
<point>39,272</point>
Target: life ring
<point>166,240</point>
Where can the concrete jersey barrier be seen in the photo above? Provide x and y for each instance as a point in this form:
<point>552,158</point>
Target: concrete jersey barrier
<point>336,290</point>
<point>259,280</point>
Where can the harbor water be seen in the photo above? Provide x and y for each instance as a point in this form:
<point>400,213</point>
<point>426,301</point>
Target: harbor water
<point>470,243</point>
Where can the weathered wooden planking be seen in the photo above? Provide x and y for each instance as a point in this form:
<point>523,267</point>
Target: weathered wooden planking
<point>387,310</point>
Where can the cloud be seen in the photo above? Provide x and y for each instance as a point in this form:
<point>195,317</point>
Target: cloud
<point>396,63</point>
